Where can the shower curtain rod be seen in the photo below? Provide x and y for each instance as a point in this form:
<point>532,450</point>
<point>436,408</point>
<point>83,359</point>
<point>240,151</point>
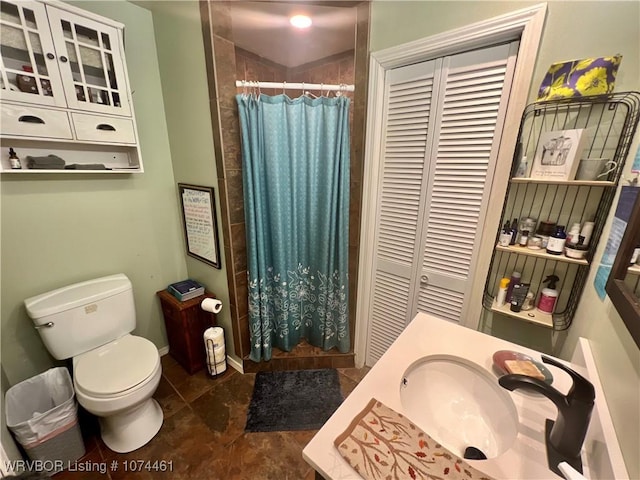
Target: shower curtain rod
<point>296,86</point>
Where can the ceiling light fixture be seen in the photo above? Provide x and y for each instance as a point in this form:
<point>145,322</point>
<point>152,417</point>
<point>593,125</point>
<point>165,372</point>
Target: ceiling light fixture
<point>300,21</point>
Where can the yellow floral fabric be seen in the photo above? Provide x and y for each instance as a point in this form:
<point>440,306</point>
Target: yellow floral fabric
<point>382,444</point>
<point>575,78</point>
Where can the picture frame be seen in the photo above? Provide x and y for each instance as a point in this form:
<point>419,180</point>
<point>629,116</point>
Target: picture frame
<point>558,154</point>
<point>198,205</point>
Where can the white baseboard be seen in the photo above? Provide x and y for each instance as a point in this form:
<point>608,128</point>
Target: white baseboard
<point>163,351</point>
<point>235,364</point>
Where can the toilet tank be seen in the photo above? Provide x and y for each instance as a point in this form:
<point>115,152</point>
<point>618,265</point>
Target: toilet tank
<point>77,318</point>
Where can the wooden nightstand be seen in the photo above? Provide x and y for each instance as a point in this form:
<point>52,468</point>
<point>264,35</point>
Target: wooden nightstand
<point>185,323</point>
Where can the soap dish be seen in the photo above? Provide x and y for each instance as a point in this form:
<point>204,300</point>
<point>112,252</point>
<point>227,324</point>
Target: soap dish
<point>501,356</point>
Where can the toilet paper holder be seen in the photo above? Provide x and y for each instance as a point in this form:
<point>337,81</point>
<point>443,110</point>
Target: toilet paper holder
<point>212,305</point>
<point>215,350</point>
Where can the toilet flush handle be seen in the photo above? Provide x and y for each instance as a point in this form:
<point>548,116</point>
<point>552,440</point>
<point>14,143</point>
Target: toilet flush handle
<point>48,325</point>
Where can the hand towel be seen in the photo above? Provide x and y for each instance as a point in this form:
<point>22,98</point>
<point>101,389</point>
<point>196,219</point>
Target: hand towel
<point>86,166</point>
<point>381,444</point>
<point>50,161</point>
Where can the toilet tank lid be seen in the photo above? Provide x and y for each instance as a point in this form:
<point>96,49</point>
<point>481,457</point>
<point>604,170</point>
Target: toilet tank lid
<point>76,295</point>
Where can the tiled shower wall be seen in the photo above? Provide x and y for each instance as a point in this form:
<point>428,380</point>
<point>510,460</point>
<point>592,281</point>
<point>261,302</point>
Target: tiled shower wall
<point>225,64</point>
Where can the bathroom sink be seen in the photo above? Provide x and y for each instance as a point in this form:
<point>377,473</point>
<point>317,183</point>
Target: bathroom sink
<point>459,404</point>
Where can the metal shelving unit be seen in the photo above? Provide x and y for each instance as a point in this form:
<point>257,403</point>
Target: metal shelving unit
<point>610,122</point>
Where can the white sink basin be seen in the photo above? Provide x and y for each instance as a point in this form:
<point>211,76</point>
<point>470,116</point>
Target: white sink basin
<point>459,404</point>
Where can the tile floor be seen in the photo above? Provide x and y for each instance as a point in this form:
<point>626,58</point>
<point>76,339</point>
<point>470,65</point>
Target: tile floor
<point>203,434</point>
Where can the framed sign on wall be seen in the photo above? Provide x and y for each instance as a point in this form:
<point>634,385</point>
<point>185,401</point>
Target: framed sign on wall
<point>199,221</point>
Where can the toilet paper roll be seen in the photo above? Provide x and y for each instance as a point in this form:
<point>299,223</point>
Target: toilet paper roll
<point>216,335</point>
<point>216,355</point>
<point>212,305</point>
<point>217,368</point>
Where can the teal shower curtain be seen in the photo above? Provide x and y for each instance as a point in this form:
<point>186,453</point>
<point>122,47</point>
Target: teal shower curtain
<point>295,165</point>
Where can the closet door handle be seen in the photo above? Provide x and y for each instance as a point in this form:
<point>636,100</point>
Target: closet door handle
<point>106,127</point>
<point>50,56</point>
<point>30,119</point>
<point>424,279</point>
<point>64,59</point>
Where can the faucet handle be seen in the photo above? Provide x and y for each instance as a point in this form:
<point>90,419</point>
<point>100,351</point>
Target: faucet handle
<point>582,389</point>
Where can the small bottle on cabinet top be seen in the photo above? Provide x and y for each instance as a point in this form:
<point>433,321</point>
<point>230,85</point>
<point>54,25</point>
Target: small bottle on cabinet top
<point>524,237</point>
<point>14,161</point>
<point>555,245</point>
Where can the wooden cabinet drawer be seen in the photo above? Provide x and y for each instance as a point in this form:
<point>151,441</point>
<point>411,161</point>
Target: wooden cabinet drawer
<point>97,128</point>
<point>25,121</point>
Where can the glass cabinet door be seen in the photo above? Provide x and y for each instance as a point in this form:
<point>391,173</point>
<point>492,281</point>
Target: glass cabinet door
<point>28,64</point>
<point>90,64</point>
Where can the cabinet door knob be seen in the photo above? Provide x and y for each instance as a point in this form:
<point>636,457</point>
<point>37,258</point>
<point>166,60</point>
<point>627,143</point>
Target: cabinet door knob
<point>106,126</point>
<point>63,59</point>
<point>30,119</point>
<point>424,279</point>
<point>50,56</point>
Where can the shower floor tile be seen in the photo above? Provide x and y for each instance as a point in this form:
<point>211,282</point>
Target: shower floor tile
<point>203,435</point>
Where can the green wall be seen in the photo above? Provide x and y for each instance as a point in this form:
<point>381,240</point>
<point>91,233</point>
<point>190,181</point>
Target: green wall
<point>604,28</point>
<point>60,229</point>
<point>178,34</point>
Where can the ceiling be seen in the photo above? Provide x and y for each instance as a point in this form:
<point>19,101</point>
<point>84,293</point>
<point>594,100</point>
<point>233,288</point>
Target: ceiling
<point>263,28</point>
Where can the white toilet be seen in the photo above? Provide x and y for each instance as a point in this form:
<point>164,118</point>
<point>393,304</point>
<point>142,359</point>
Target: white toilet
<point>114,373</point>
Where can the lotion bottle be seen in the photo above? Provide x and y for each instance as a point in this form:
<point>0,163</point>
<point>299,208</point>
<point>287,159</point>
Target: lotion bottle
<point>502,292</point>
<point>515,280</point>
<point>548,295</point>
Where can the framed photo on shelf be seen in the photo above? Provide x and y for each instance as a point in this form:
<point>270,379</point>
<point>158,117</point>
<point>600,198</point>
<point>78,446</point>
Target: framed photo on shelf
<point>558,154</point>
<point>199,221</point>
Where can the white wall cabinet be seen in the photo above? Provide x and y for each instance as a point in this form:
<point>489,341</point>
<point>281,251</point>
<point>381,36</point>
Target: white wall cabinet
<point>63,84</point>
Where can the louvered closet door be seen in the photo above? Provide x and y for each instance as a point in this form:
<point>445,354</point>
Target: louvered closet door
<point>442,125</point>
<point>407,113</point>
<point>468,125</point>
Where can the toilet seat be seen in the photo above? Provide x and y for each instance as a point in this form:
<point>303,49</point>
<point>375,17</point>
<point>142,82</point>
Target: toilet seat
<point>116,368</point>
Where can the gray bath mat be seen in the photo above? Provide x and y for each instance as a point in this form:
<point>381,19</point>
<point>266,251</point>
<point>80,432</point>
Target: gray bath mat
<point>293,400</point>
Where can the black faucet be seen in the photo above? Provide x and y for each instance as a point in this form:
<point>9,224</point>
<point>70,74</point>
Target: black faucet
<point>565,436</point>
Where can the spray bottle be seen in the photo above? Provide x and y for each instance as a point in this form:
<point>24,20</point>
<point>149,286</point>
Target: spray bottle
<point>548,295</point>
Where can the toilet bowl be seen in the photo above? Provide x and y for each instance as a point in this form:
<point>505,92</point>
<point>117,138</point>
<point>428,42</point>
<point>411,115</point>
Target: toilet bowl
<point>115,373</point>
<point>115,382</point>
